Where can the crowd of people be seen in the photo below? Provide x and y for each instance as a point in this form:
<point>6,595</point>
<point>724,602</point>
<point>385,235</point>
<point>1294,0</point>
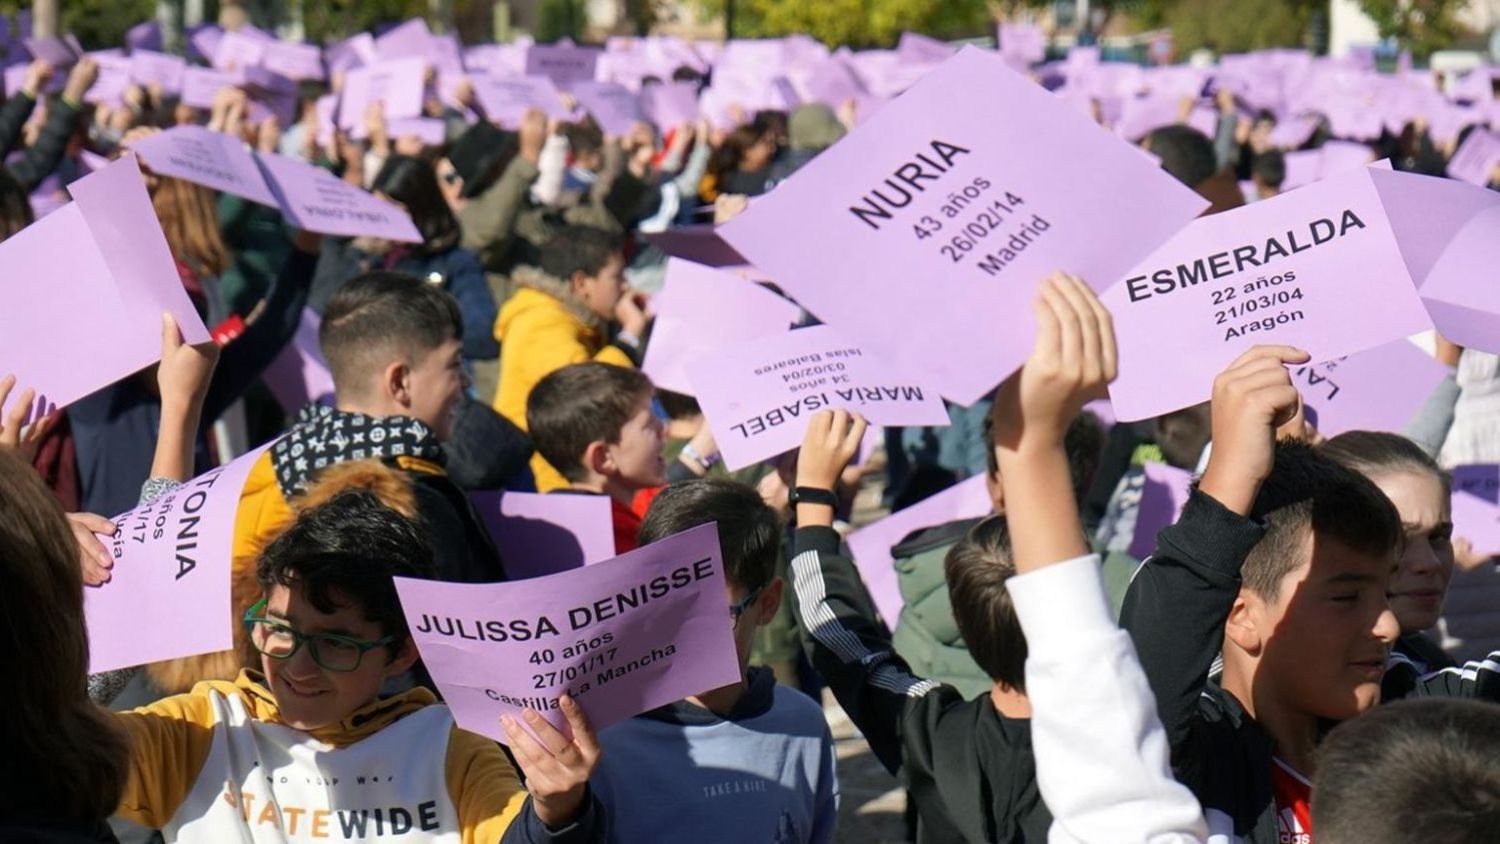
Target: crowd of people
<point>1309,653</point>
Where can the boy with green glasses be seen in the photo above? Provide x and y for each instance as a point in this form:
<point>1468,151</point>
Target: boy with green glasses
<point>308,749</point>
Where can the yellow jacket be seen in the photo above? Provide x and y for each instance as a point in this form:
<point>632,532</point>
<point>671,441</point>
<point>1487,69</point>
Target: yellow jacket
<point>543,328</point>
<point>262,514</point>
<point>216,764</point>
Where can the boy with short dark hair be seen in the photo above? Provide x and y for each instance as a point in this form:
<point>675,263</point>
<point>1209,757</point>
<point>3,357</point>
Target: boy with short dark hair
<point>750,762</point>
<point>394,348</point>
<point>1267,173</point>
<point>306,748</point>
<point>562,314</point>
<point>1423,767</point>
<point>594,423</point>
<point>1280,559</point>
<point>925,634</point>
<point>967,763</point>
<point>393,345</point>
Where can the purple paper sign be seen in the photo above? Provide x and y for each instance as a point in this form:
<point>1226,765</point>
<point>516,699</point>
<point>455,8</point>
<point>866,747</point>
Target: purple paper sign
<point>200,85</point>
<point>949,211</point>
<point>207,158</point>
<point>294,61</point>
<point>506,100</point>
<point>171,565</point>
<point>114,78</point>
<point>1024,42</point>
<point>204,40</point>
<point>299,374</point>
<point>109,277</point>
<point>1140,116</point>
<point>671,104</point>
<point>54,51</point>
<point>356,51</point>
<point>1317,268</point>
<point>615,108</point>
<point>1163,496</point>
<point>237,51</point>
<point>148,68</point>
<point>701,310</point>
<point>318,201</point>
<point>563,64</point>
<point>1476,506</point>
<point>620,637</point>
<point>429,130</point>
<point>544,534</point>
<point>917,48</point>
<point>1380,389</point>
<point>757,398</point>
<point>870,546</point>
<point>831,82</point>
<point>1460,291</point>
<point>1293,132</point>
<point>144,36</point>
<point>1474,162</point>
<point>399,84</point>
<point>410,39</point>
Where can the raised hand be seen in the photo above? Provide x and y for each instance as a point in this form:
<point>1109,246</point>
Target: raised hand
<point>14,433</point>
<point>1253,398</point>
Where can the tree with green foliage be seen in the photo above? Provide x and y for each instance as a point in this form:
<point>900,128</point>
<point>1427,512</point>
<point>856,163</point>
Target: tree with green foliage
<point>1422,26</point>
<point>857,23</point>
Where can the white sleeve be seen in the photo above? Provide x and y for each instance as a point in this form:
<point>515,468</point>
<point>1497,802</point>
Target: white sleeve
<point>1101,753</point>
<point>551,166</point>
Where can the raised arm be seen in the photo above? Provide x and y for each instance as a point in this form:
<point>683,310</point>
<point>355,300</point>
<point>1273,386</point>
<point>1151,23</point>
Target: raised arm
<point>1113,781</point>
<point>845,642</point>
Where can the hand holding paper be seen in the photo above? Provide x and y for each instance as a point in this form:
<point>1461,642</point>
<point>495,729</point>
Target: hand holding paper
<point>1253,398</point>
<point>14,430</point>
<point>1073,361</point>
<point>557,766</point>
<point>94,560</point>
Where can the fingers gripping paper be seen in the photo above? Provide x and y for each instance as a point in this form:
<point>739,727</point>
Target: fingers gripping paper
<point>89,284</point>
<point>939,215</point>
<point>619,637</point>
<point>169,594</point>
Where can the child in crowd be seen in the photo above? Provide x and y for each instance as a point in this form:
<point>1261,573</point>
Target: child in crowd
<point>1424,765</point>
<point>967,763</point>
<point>1422,494</point>
<point>926,635</point>
<point>393,347</point>
<point>752,761</point>
<point>561,314</point>
<point>594,422</point>
<point>1305,629</point>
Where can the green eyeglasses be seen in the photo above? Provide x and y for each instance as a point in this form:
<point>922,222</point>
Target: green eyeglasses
<point>277,640</point>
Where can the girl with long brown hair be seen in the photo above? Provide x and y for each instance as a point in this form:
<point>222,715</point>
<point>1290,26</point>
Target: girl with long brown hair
<point>65,758</point>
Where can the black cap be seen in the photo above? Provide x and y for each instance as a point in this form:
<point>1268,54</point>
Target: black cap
<point>479,154</point>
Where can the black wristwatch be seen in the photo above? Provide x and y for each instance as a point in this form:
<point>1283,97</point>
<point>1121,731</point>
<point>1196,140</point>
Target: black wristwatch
<point>813,495</point>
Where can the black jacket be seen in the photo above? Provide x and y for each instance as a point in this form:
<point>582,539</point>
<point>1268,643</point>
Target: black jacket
<point>40,159</point>
<point>1175,612</point>
<point>969,769</point>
